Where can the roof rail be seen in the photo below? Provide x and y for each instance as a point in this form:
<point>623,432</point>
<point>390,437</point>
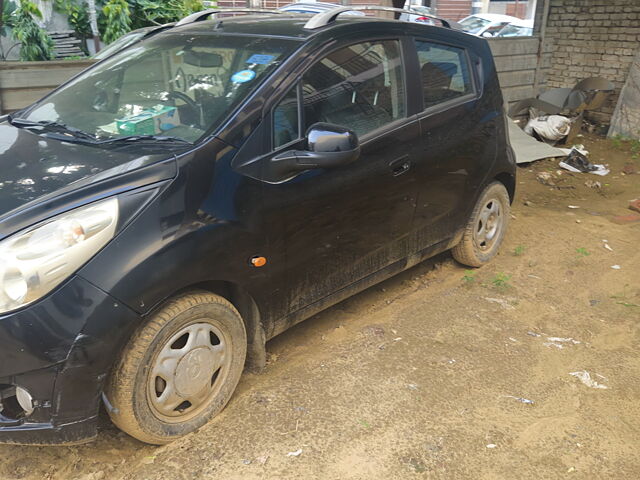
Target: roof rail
<point>204,14</point>
<point>325,18</point>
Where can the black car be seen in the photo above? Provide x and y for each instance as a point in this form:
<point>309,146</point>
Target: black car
<point>173,207</point>
<point>129,39</point>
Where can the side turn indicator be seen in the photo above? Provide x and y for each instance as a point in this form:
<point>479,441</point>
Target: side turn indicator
<point>258,261</point>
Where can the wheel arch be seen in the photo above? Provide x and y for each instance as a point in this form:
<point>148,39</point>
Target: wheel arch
<point>249,311</point>
<point>509,181</point>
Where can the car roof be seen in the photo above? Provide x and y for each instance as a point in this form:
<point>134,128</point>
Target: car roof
<point>494,17</point>
<point>290,25</point>
<point>314,7</point>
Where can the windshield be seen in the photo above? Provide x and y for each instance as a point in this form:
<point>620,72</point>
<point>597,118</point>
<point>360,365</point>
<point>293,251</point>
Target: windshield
<point>422,10</point>
<point>177,86</point>
<point>474,24</point>
<point>515,31</point>
<point>123,42</point>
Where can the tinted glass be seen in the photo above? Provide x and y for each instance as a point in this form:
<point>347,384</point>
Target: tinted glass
<point>360,87</point>
<point>121,43</point>
<point>285,120</point>
<point>170,85</point>
<point>494,29</point>
<point>444,71</point>
<point>515,31</point>
<point>474,24</point>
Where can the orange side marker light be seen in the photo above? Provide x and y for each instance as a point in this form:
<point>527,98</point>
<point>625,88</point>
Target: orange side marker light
<point>258,261</point>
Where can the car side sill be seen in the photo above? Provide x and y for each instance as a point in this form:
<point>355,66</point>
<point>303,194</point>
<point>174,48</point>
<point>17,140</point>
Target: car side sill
<point>387,272</point>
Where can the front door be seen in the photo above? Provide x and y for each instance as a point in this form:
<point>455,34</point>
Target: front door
<point>337,226</point>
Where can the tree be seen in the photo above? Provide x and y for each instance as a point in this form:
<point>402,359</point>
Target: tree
<point>35,42</point>
<point>93,22</point>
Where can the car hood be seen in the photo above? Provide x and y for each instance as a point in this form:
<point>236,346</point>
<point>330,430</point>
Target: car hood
<point>33,166</point>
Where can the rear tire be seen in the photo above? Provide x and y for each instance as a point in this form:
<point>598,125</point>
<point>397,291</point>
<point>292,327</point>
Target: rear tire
<point>179,370</point>
<point>486,228</point>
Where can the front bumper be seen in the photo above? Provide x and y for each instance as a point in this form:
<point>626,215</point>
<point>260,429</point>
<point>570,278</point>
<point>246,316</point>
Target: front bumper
<point>60,350</point>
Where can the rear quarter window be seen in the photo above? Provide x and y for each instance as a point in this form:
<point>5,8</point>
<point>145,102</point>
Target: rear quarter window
<point>444,72</point>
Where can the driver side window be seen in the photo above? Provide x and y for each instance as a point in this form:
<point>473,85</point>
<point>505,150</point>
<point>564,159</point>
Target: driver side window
<point>360,87</point>
<point>286,126</point>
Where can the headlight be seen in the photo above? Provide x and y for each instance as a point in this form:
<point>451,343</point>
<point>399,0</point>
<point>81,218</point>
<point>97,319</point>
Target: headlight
<point>34,262</point>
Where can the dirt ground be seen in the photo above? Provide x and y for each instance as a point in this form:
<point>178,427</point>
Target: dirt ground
<point>439,372</point>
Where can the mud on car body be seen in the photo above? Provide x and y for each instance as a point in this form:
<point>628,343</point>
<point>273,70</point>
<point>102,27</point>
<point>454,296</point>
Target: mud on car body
<point>170,209</point>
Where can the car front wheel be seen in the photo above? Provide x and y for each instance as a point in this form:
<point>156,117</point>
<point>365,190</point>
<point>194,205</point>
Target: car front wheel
<point>486,228</point>
<point>179,370</point>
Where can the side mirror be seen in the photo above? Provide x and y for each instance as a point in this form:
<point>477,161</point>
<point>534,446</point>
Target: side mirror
<point>327,146</point>
<point>487,34</point>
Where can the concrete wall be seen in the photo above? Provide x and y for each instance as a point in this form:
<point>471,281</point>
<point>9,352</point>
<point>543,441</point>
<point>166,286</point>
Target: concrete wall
<point>22,83</point>
<point>516,61</point>
<point>588,38</point>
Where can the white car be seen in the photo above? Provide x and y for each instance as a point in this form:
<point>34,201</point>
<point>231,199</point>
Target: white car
<point>486,24</point>
<point>521,28</point>
<point>425,14</point>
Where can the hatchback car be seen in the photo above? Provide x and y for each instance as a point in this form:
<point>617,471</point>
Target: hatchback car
<point>170,209</point>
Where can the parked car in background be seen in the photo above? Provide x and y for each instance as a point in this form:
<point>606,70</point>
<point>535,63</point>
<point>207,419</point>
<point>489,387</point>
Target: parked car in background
<point>181,202</point>
<point>486,24</point>
<point>520,28</point>
<point>425,15</point>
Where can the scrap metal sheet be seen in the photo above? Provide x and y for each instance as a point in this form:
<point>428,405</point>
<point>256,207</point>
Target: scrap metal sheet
<point>528,149</point>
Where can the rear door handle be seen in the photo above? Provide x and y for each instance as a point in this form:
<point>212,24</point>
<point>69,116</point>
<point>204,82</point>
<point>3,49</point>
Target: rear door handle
<point>400,165</point>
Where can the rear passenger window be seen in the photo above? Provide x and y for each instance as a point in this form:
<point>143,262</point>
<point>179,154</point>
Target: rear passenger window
<point>360,87</point>
<point>444,71</point>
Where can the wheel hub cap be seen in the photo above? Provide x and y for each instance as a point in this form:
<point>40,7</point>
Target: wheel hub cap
<point>193,372</point>
<point>489,225</point>
<point>188,372</point>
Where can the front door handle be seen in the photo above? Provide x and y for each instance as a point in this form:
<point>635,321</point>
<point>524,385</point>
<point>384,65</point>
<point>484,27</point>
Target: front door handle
<point>400,165</point>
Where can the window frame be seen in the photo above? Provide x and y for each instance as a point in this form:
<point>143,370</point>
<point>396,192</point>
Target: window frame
<point>393,124</point>
<point>297,85</point>
<point>454,102</point>
<point>408,58</point>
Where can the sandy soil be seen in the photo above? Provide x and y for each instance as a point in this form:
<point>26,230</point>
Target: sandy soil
<point>423,375</point>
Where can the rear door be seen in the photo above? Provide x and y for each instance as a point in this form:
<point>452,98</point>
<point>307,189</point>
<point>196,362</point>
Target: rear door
<point>455,139</point>
<point>339,225</point>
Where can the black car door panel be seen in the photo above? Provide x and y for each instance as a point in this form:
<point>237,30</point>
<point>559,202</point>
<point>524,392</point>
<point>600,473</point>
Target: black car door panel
<point>341,224</point>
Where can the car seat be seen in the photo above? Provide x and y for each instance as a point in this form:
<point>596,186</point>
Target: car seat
<point>436,82</point>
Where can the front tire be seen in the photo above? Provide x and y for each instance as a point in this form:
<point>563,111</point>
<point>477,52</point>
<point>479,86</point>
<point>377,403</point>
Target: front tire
<point>486,228</point>
<point>179,370</point>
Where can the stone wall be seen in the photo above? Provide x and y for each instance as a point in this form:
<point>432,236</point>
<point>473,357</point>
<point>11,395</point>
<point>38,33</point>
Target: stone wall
<point>589,38</point>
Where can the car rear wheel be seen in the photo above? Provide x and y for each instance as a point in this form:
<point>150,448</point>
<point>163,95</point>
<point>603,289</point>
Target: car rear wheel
<point>487,226</point>
<point>179,370</point>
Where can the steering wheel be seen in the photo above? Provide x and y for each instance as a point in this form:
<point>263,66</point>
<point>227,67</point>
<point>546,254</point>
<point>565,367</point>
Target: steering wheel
<point>193,106</point>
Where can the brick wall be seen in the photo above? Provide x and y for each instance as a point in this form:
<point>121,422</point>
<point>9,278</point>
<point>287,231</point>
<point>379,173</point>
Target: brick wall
<point>589,38</point>
<point>452,9</point>
<point>518,9</point>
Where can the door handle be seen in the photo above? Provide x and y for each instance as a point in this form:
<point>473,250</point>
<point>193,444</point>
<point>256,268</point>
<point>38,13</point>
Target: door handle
<point>400,165</point>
